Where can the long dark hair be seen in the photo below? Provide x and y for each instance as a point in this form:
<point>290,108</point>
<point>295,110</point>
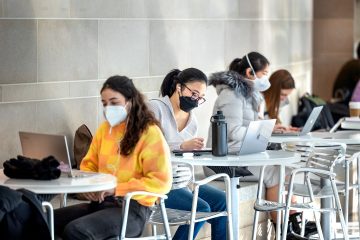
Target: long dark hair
<point>258,62</point>
<point>281,79</point>
<point>175,76</point>
<point>139,116</point>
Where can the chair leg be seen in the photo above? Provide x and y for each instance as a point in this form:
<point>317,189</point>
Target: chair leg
<point>165,219</point>
<point>339,210</point>
<point>255,225</point>
<point>154,230</point>
<point>50,216</point>
<point>258,197</point>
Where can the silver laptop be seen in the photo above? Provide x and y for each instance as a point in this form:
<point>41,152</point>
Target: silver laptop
<point>256,138</point>
<point>307,127</point>
<point>39,146</point>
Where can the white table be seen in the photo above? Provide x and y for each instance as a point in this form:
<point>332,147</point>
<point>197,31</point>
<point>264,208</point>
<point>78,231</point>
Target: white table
<point>280,158</point>
<point>63,185</point>
<point>350,125</point>
<point>347,137</point>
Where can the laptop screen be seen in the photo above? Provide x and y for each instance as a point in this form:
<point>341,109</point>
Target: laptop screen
<point>39,146</point>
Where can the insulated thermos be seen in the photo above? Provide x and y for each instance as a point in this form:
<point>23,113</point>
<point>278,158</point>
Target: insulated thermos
<point>219,134</point>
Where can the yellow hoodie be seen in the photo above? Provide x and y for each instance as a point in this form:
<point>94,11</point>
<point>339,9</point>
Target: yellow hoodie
<point>147,168</point>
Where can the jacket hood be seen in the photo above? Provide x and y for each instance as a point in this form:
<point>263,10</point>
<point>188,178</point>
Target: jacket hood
<point>233,80</point>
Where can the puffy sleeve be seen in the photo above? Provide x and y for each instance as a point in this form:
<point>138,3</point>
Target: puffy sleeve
<point>232,108</point>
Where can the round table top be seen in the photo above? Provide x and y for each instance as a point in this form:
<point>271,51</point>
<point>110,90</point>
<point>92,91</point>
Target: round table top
<point>91,183</point>
<point>347,137</point>
<point>256,159</point>
<point>354,124</point>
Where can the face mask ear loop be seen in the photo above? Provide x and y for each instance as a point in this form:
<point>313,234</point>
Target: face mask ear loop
<point>247,58</point>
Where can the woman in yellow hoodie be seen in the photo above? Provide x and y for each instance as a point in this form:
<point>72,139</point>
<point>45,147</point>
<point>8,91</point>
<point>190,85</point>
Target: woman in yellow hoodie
<point>130,146</point>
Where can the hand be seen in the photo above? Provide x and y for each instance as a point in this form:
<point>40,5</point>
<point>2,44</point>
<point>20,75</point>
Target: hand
<point>279,128</point>
<point>195,143</point>
<point>104,194</point>
<point>91,196</point>
<point>294,129</point>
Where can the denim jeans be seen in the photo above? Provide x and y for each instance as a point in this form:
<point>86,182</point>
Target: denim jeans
<point>210,200</point>
<point>99,221</point>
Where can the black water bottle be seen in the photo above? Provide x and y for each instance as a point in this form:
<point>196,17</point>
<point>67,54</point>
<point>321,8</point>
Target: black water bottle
<point>219,134</point>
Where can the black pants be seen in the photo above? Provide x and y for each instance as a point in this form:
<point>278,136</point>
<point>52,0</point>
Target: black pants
<point>99,221</point>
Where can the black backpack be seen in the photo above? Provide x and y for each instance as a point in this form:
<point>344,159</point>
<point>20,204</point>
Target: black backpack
<point>22,216</point>
<point>306,105</point>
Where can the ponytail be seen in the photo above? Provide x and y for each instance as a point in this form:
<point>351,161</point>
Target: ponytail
<point>168,85</point>
<point>258,62</point>
<point>176,76</point>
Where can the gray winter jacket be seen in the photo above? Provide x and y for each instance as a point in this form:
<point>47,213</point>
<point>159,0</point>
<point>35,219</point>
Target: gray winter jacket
<point>238,102</point>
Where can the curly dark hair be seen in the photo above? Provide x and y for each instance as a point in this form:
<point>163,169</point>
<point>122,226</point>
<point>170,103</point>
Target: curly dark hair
<point>139,117</point>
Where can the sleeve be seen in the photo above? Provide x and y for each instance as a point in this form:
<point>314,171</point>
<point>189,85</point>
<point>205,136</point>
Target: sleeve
<point>90,162</point>
<point>232,108</point>
<point>154,158</point>
<point>154,107</point>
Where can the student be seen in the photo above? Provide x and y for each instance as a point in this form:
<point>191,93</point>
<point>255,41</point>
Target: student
<point>130,146</point>
<point>239,99</point>
<point>281,86</point>
<point>181,92</point>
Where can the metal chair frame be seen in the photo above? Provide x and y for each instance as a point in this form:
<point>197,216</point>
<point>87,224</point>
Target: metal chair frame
<point>321,163</point>
<point>126,205</point>
<point>183,176</point>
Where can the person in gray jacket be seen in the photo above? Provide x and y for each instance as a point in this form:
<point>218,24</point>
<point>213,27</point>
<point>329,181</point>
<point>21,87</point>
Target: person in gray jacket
<point>239,98</point>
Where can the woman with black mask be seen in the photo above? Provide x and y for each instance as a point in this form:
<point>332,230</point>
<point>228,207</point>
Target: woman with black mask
<point>181,92</point>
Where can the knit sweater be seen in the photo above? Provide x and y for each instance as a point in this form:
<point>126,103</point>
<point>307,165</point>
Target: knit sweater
<point>147,168</point>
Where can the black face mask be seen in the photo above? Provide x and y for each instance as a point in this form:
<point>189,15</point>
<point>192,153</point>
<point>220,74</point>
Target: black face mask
<point>187,104</point>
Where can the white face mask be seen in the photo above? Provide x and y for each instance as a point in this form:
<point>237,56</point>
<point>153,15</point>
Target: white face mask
<point>260,84</point>
<point>115,114</point>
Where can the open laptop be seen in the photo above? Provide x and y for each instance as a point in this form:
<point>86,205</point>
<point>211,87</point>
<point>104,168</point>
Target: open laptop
<point>307,127</point>
<point>256,138</point>
<point>39,146</point>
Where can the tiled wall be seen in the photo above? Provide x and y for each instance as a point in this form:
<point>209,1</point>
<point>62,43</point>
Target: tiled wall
<point>55,54</point>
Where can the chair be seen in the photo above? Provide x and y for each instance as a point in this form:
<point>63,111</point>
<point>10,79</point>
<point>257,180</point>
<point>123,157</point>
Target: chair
<point>344,186</point>
<point>320,164</point>
<point>162,211</point>
<point>305,149</point>
<point>183,176</point>
<point>50,216</point>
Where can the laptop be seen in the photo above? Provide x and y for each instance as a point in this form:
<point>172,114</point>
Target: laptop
<point>307,127</point>
<point>39,146</point>
<point>256,138</point>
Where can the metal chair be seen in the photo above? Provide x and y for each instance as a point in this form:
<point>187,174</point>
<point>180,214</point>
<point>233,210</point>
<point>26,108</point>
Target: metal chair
<point>50,216</point>
<point>344,186</point>
<point>162,212</point>
<point>320,164</point>
<point>183,176</point>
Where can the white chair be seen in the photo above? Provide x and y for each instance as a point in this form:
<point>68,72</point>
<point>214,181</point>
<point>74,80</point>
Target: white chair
<point>50,216</point>
<point>183,176</point>
<point>320,164</point>
<point>164,219</point>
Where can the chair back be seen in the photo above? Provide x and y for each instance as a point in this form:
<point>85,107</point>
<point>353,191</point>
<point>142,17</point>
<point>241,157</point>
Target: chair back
<point>183,175</point>
<point>325,157</point>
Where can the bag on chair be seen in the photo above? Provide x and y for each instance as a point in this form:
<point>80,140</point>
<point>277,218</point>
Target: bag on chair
<point>82,141</point>
<point>306,105</point>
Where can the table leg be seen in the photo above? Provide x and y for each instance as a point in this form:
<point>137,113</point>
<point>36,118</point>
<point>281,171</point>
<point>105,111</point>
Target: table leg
<point>326,216</point>
<point>63,197</point>
<point>235,205</point>
<point>279,219</point>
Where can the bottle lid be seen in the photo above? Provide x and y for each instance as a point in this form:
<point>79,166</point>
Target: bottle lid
<point>219,115</point>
